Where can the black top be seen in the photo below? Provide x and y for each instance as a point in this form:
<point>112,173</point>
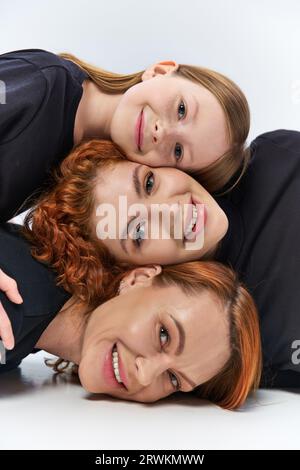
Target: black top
<point>262,244</point>
<point>42,299</point>
<point>43,92</point>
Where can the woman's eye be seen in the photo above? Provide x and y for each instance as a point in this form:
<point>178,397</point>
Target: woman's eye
<point>174,381</point>
<point>181,110</point>
<point>178,152</point>
<point>164,331</point>
<point>149,182</point>
<point>139,234</point>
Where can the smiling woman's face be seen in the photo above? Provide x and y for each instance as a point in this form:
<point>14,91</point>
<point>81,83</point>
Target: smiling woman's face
<point>183,124</point>
<point>188,232</point>
<point>166,340</point>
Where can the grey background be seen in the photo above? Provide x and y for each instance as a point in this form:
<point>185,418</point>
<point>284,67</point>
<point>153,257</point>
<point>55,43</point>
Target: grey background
<point>256,43</point>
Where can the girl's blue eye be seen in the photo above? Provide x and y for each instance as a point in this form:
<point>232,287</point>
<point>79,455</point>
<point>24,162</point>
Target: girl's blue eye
<point>178,152</point>
<point>181,110</point>
<point>164,331</point>
<point>149,182</point>
<point>139,234</point>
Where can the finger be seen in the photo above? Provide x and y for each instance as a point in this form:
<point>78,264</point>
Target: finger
<point>6,332</point>
<point>10,287</point>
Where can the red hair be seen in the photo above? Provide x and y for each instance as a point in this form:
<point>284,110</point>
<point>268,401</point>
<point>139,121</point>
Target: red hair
<point>59,226</point>
<point>60,230</point>
<point>241,374</point>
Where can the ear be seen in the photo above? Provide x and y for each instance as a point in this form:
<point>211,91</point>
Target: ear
<point>164,67</point>
<point>138,277</point>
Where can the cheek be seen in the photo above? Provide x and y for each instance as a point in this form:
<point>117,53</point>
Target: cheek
<point>153,93</point>
<point>176,181</point>
<point>149,395</point>
<point>87,376</point>
<point>153,158</point>
<point>160,251</point>
<point>220,224</point>
<point>115,250</point>
<point>135,95</point>
<point>168,252</point>
<point>218,137</point>
<point>91,364</point>
<point>137,90</point>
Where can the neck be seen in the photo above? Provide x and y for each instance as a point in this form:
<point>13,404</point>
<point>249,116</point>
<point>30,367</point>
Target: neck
<point>64,335</point>
<point>94,113</point>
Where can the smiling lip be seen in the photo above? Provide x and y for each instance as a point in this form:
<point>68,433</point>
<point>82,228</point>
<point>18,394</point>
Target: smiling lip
<point>201,221</point>
<point>108,372</point>
<point>189,214</point>
<point>139,131</point>
<point>122,370</point>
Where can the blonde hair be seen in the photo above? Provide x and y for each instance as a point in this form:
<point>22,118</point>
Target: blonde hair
<point>233,101</point>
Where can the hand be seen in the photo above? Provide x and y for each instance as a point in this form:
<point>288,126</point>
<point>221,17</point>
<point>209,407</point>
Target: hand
<point>9,286</point>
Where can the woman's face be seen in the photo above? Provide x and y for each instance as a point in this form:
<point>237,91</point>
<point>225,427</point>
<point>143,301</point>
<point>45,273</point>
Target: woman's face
<point>176,219</point>
<point>166,341</point>
<point>183,123</point>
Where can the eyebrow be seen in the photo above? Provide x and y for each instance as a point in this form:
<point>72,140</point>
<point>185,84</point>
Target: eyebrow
<point>194,116</point>
<point>136,181</point>
<point>181,346</point>
<point>138,191</point>
<point>196,110</point>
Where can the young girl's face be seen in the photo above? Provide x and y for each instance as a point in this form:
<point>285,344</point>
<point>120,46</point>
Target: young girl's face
<point>155,215</point>
<point>168,120</point>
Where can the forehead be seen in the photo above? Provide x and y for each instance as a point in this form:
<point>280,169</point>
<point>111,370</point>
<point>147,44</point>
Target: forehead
<point>197,309</point>
<point>168,88</point>
<point>115,179</point>
<point>206,330</point>
<point>192,308</point>
<point>174,82</point>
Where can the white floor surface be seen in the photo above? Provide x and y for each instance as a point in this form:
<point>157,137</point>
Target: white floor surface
<point>37,412</point>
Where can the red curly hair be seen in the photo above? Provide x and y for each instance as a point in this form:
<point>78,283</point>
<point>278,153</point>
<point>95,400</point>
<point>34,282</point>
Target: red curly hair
<point>61,232</point>
<point>59,226</point>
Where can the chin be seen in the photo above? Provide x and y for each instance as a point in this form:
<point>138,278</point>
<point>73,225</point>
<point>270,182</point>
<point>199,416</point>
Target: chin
<point>87,382</point>
<point>90,388</point>
<point>220,228</point>
<point>225,226</point>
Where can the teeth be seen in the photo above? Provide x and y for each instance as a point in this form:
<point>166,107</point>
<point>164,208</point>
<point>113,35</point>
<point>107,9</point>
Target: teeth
<point>115,364</point>
<point>192,222</point>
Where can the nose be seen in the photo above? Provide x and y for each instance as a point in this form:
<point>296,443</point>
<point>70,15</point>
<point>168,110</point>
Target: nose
<point>150,368</point>
<point>165,219</point>
<point>170,220</point>
<point>161,133</point>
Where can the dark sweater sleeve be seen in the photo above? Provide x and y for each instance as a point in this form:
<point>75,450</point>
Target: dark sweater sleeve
<point>262,245</point>
<point>286,140</point>
<point>42,93</point>
<point>281,379</point>
<point>25,88</point>
<point>9,367</point>
<point>42,298</point>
